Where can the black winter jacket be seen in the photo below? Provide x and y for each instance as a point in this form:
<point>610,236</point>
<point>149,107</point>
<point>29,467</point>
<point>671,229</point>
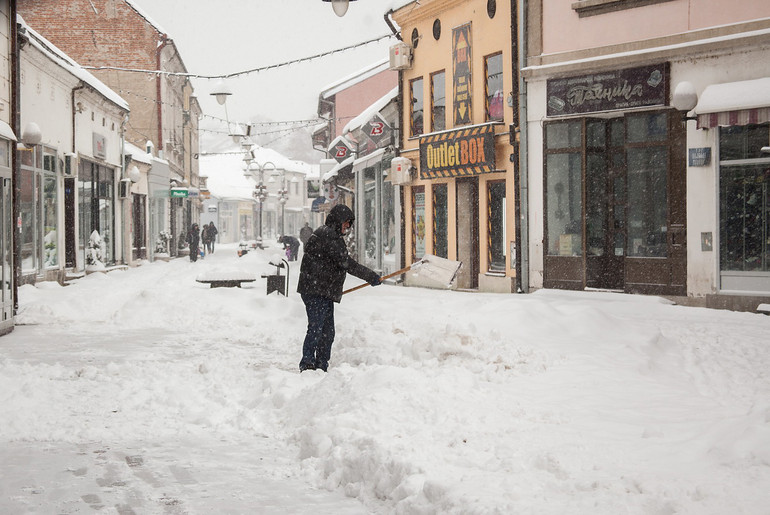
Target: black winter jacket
<point>326,261</point>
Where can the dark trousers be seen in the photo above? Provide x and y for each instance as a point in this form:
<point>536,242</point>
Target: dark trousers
<point>317,348</point>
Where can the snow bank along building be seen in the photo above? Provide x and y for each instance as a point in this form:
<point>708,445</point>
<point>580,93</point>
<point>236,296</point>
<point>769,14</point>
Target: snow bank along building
<point>646,123</point>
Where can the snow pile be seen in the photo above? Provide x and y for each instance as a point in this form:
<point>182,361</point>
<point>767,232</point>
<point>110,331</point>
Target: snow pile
<point>435,401</point>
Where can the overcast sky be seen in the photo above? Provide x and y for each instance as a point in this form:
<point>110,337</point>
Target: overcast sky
<point>229,36</point>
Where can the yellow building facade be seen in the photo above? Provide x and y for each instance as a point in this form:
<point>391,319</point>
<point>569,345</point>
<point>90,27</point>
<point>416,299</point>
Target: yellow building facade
<point>458,104</point>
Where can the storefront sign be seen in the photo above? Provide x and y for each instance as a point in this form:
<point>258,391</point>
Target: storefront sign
<point>461,60</point>
<point>340,149</point>
<point>464,152</point>
<point>178,193</point>
<point>609,91</point>
<point>378,130</point>
<point>700,156</point>
<point>100,146</point>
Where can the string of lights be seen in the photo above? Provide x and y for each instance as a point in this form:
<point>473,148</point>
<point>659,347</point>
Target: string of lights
<point>304,123</point>
<point>244,72</point>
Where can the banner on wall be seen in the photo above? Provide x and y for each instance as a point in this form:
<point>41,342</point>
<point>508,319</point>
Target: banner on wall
<point>461,63</point>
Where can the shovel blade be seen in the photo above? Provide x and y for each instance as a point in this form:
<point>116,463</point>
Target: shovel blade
<point>433,272</point>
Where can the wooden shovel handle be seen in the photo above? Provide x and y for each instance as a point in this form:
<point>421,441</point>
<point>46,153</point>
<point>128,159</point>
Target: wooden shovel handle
<point>399,272</point>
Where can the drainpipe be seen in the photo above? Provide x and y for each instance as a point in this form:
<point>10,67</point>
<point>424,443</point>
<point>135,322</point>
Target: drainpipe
<point>390,24</point>
<point>522,197</point>
<point>74,113</point>
<point>171,212</point>
<point>15,70</point>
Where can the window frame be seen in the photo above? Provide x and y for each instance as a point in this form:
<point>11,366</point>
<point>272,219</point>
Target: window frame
<point>433,105</point>
<point>487,97</point>
<point>413,130</point>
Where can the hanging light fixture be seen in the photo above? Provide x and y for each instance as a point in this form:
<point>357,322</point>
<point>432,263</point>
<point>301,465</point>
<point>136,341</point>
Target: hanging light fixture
<point>340,6</point>
<point>221,91</point>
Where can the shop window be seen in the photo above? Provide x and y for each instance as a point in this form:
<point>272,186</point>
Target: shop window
<point>440,221</point>
<point>647,176</point>
<point>438,100</point>
<point>564,199</point>
<point>564,204</point>
<point>493,66</point>
<point>417,106</point>
<point>647,201</point>
<point>369,224</point>
<point>744,199</point>
<point>497,229</point>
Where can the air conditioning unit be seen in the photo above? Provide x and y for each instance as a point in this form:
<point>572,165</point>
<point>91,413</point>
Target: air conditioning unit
<point>400,56</point>
<point>124,188</point>
<point>400,171</point>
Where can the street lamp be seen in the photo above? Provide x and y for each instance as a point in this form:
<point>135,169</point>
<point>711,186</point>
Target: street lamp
<point>256,171</point>
<point>340,6</point>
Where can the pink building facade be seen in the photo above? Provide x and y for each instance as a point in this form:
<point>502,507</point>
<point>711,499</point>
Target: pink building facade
<point>645,124</point>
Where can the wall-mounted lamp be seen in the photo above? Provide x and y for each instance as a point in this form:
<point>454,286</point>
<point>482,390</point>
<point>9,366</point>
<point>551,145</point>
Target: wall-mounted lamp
<point>79,107</point>
<point>31,135</point>
<point>684,99</point>
<point>134,174</point>
<point>340,6</point>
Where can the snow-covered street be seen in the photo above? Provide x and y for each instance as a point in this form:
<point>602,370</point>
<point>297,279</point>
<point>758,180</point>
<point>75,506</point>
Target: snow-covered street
<point>143,392</point>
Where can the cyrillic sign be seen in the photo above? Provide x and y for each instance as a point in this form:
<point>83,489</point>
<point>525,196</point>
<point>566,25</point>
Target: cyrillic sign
<point>458,153</point>
<point>609,90</point>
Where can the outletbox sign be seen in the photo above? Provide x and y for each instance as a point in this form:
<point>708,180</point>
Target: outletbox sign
<point>464,152</point>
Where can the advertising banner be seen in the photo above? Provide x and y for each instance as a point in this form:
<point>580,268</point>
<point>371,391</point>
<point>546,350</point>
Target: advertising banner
<point>461,62</point>
<point>460,153</point>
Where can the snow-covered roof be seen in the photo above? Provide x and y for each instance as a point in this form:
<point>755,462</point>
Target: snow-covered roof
<point>225,171</point>
<point>355,78</point>
<point>141,13</point>
<point>136,153</point>
<point>734,96</point>
<point>370,111</point>
<point>63,60</point>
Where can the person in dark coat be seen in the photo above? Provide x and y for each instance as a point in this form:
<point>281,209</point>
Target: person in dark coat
<point>304,234</point>
<point>292,244</point>
<point>212,237</point>
<point>193,238</point>
<point>322,274</point>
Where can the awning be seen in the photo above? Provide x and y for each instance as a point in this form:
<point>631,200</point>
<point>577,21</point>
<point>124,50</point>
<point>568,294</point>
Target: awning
<point>734,103</point>
<point>6,131</point>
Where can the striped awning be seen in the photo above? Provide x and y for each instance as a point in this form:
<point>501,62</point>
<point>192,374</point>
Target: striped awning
<point>734,103</point>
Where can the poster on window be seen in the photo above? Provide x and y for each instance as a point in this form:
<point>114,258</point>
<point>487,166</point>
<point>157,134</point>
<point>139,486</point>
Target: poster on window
<point>461,62</point>
<point>418,229</point>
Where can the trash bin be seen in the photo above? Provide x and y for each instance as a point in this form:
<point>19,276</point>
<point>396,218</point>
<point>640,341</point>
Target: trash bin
<point>276,281</point>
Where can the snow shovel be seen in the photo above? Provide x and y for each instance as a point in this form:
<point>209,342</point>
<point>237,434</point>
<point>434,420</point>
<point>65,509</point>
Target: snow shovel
<point>433,271</point>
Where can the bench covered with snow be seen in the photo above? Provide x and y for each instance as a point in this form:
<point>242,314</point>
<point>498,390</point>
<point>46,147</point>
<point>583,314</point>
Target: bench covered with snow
<point>225,279</point>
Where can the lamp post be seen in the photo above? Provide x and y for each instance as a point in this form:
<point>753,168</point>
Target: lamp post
<point>283,195</point>
<point>256,171</point>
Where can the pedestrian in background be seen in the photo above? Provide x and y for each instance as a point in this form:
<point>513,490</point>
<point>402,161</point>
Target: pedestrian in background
<point>291,246</point>
<point>205,239</point>
<point>193,238</point>
<point>322,274</point>
<point>212,236</point>
<point>305,233</point>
